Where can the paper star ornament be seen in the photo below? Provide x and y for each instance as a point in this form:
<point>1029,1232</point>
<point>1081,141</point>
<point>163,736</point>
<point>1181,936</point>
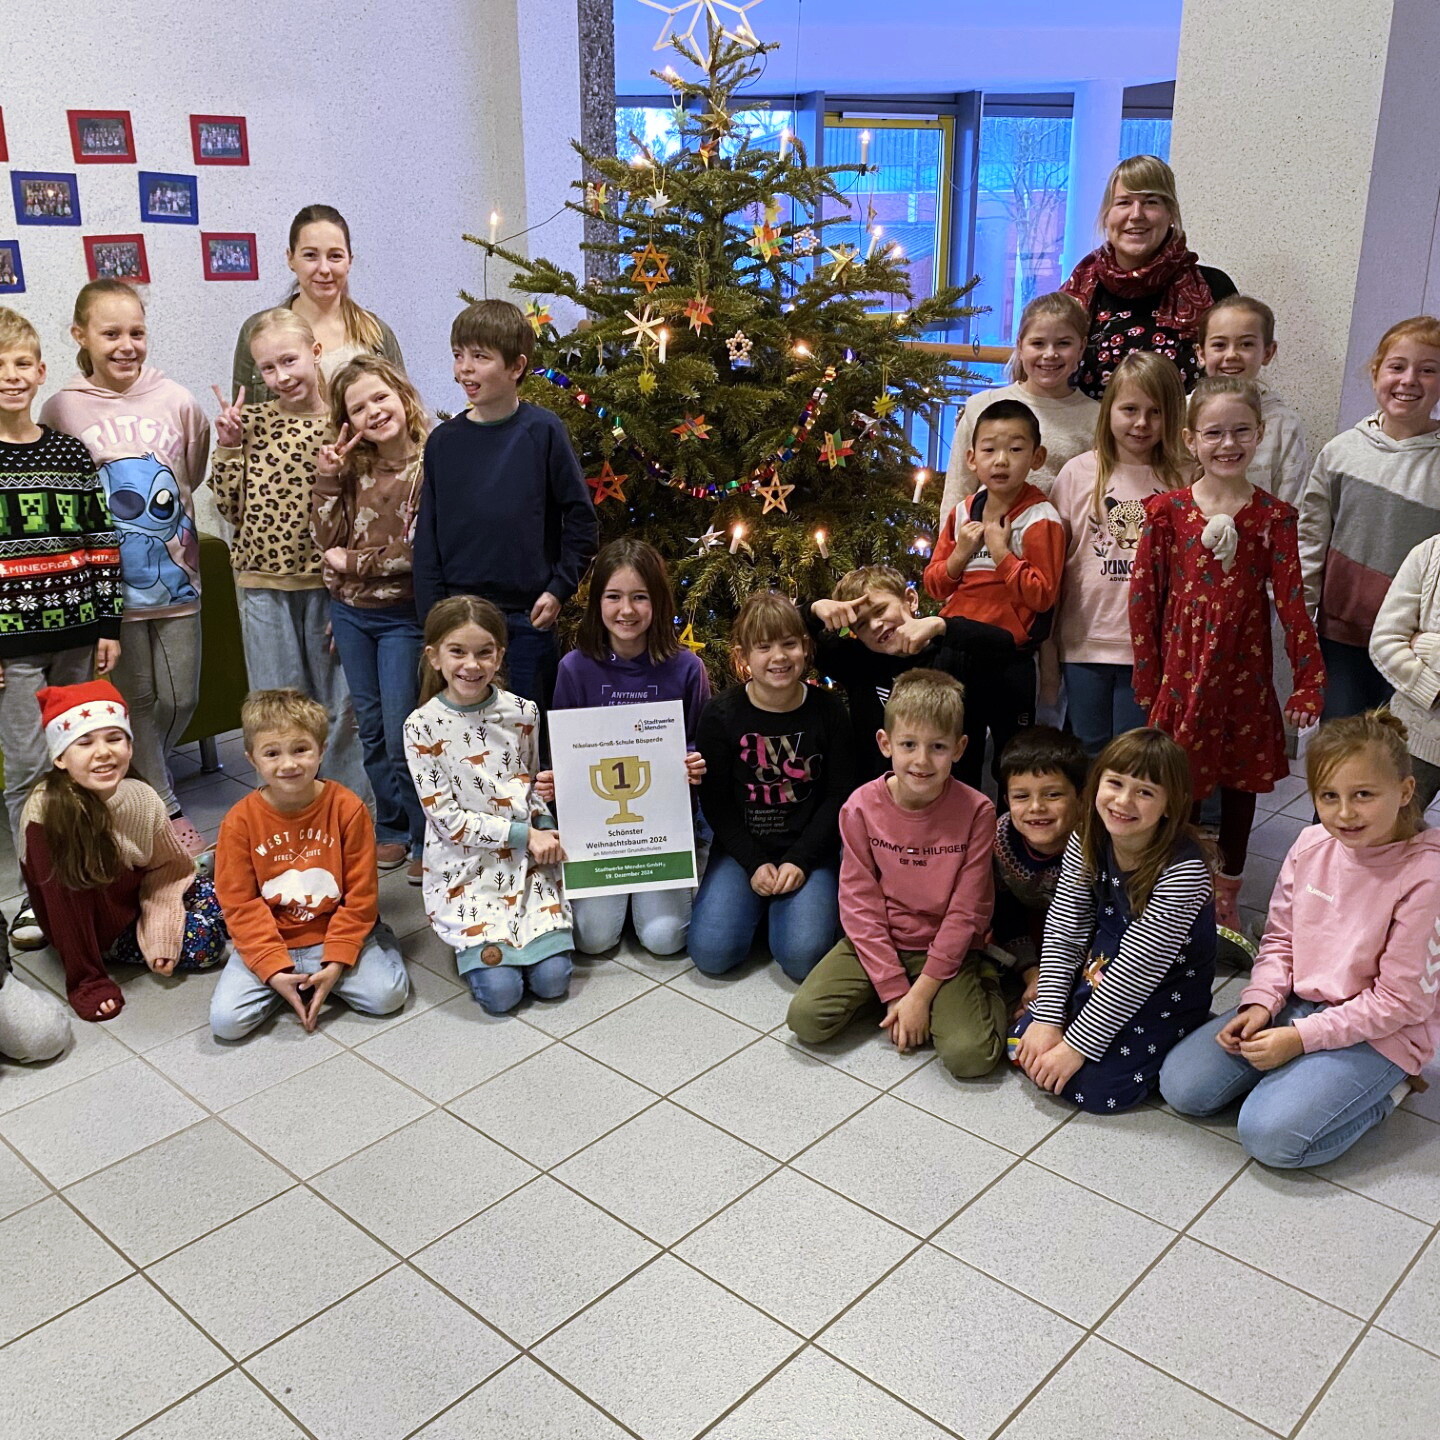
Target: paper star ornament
<point>883,404</point>
<point>835,450</point>
<point>772,212</point>
<point>708,541</point>
<point>843,256</point>
<point>698,312</point>
<point>537,315</point>
<point>773,493</point>
<point>692,427</point>
<point>646,382</point>
<point>659,202</point>
<point>765,242</point>
<point>607,485</point>
<point>652,267</point>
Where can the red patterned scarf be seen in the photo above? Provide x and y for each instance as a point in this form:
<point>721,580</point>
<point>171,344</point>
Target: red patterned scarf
<point>1173,269</point>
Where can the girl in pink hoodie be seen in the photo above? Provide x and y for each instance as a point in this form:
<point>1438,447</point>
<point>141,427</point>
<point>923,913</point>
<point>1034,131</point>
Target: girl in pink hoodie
<point>1341,1010</point>
<point>150,440</point>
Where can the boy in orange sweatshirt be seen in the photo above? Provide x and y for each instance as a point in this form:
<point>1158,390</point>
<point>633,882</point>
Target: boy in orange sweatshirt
<point>296,877</point>
<point>998,560</point>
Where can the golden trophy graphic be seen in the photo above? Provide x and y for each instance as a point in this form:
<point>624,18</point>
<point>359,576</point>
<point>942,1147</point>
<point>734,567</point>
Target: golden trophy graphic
<point>620,780</point>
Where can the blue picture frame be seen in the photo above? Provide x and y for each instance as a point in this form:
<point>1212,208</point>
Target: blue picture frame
<point>28,207</point>
<point>12,272</point>
<point>160,189</point>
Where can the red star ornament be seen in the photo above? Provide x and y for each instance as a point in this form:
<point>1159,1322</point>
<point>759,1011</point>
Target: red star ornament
<point>700,312</point>
<point>765,242</point>
<point>836,449</point>
<point>607,485</point>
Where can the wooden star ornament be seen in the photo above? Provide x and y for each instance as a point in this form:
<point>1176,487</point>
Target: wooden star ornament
<point>688,640</point>
<point>607,485</point>
<point>773,493</point>
<point>652,267</point>
<point>644,326</point>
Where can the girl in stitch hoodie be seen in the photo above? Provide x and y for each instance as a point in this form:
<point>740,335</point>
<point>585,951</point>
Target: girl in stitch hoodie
<point>1340,1013</point>
<point>150,439</point>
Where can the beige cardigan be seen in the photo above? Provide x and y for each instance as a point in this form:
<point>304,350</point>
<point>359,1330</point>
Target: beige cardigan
<point>1413,604</point>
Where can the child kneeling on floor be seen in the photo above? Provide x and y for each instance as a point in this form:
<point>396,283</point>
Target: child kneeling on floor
<point>1340,1015</point>
<point>1128,958</point>
<point>295,870</point>
<point>492,853</point>
<point>916,892</point>
<point>107,877</point>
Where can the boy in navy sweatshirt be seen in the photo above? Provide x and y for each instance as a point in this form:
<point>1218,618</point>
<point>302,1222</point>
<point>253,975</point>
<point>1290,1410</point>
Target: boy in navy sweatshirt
<point>504,510</point>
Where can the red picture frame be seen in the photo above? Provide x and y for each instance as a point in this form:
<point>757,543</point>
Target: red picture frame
<point>117,257</point>
<point>101,137</point>
<point>4,148</point>
<point>228,255</point>
<point>220,139</point>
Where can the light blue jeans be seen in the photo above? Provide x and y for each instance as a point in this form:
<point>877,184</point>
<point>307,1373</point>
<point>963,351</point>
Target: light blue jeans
<point>498,988</point>
<point>1310,1110</point>
<point>376,984</point>
<point>1100,701</point>
<point>802,926</point>
<point>662,920</point>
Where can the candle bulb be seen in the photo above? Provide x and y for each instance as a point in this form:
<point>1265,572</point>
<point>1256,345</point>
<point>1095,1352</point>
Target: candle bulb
<point>864,146</point>
<point>784,141</point>
<point>737,534</point>
<point>664,343</point>
<point>821,546</point>
<point>494,224</point>
<point>921,476</point>
<point>876,231</point>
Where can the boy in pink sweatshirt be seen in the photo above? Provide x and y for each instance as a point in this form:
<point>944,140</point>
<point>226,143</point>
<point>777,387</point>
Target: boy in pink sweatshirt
<point>1341,1013</point>
<point>916,893</point>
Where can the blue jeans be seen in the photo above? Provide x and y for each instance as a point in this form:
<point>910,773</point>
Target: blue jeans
<point>802,925</point>
<point>380,652</point>
<point>376,984</point>
<point>1310,1110</point>
<point>1352,683</point>
<point>532,658</point>
<point>1100,701</point>
<point>661,917</point>
<point>498,988</point>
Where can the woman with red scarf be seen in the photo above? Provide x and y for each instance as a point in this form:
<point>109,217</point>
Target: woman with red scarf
<point>1144,289</point>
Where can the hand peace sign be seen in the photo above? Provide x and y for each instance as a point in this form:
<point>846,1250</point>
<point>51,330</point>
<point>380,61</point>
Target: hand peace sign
<point>230,422</point>
<point>329,460</point>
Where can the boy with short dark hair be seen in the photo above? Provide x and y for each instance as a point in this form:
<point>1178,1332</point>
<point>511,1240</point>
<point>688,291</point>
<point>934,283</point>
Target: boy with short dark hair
<point>295,875</point>
<point>998,559</point>
<point>916,892</point>
<point>504,511</point>
<point>887,637</point>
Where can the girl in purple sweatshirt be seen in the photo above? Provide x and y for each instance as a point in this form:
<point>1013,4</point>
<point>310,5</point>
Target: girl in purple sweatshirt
<point>1340,1013</point>
<point>627,653</point>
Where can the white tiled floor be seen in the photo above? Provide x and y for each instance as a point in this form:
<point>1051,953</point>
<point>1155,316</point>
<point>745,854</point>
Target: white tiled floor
<point>640,1212</point>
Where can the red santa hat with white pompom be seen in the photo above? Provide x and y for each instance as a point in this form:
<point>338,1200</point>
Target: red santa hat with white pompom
<point>70,711</point>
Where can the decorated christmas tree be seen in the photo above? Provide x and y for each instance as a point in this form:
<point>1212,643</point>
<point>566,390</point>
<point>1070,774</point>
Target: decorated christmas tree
<point>737,392</point>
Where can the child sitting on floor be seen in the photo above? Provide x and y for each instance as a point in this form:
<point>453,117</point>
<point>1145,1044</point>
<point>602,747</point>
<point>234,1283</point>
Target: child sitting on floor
<point>107,875</point>
<point>295,871</point>
<point>1340,1016</point>
<point>915,894</point>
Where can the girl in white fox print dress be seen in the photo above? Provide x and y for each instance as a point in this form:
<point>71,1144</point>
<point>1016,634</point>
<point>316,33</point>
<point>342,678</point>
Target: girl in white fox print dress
<point>492,854</point>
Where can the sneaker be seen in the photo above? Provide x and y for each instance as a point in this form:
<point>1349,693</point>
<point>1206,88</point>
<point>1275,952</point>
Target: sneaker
<point>25,931</point>
<point>1401,1093</point>
<point>189,837</point>
<point>415,871</point>
<point>391,855</point>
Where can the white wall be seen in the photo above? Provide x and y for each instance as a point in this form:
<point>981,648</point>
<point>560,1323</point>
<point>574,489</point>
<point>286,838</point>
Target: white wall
<point>413,120</point>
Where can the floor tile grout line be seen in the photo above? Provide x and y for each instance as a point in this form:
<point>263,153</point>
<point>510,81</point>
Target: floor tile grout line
<point>235,1369</point>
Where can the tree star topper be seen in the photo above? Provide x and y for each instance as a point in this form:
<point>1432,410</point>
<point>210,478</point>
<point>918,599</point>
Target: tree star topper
<point>774,493</point>
<point>643,274</point>
<point>836,449</point>
<point>700,312</point>
<point>607,485</point>
<point>739,31</point>
<point>692,427</point>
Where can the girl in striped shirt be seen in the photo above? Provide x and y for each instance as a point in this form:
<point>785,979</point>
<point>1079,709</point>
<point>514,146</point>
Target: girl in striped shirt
<point>1128,956</point>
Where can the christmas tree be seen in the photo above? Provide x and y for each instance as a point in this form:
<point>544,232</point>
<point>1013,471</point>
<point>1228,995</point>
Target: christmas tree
<point>736,393</point>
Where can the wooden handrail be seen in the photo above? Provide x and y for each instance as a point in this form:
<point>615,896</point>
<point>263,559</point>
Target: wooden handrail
<point>976,354</point>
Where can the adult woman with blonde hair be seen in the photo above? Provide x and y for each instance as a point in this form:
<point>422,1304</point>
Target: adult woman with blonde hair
<point>1144,288</point>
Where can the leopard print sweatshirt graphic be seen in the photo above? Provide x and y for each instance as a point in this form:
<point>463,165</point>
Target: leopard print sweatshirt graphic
<point>263,488</point>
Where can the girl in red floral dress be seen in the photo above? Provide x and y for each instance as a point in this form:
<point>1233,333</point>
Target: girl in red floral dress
<point>1200,621</point>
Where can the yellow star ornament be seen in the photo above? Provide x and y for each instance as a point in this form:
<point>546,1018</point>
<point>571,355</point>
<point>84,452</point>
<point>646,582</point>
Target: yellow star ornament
<point>688,640</point>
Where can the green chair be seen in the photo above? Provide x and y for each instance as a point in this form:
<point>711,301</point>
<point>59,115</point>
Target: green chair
<point>223,681</point>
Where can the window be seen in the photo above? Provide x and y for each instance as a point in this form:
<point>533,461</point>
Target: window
<point>1150,136</point>
<point>658,127</point>
<point>1024,178</point>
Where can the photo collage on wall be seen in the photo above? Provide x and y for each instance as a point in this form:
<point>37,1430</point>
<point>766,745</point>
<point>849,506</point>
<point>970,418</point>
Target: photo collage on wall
<point>107,137</point>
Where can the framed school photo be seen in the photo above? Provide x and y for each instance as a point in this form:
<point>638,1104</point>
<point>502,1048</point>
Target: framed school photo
<point>168,199</point>
<point>102,137</point>
<point>117,257</point>
<point>12,273</point>
<point>220,139</point>
<point>42,198</point>
<point>229,257</point>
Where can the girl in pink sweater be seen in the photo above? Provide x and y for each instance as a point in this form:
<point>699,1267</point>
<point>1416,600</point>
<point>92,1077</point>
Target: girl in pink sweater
<point>1340,1013</point>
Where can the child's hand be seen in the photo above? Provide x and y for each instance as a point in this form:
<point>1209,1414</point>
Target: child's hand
<point>694,766</point>
<point>1301,719</point>
<point>788,878</point>
<point>545,612</point>
<point>997,538</point>
<point>107,657</point>
<point>329,458</point>
<point>337,558</point>
<point>762,882</point>
<point>908,1021</point>
<point>161,966</point>
<point>1036,1040</point>
<point>1031,990</point>
<point>1053,1070</point>
<point>545,847</point>
<point>320,984</point>
<point>969,537</point>
<point>545,786</point>
<point>1272,1048</point>
<point>914,635</point>
<point>1243,1025</point>
<point>290,985</point>
<point>230,422</point>
<point>836,614</point>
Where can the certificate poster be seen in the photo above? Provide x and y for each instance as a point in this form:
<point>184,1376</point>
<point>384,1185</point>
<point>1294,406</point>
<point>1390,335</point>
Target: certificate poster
<point>622,799</point>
